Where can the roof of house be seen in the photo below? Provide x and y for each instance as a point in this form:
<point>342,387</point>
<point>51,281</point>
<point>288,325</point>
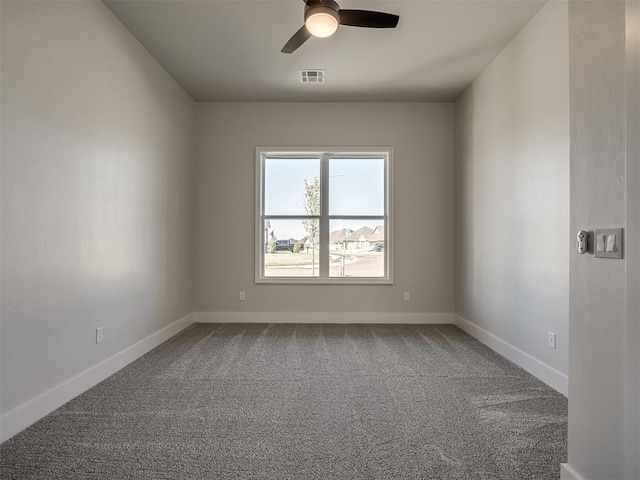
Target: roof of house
<point>363,233</point>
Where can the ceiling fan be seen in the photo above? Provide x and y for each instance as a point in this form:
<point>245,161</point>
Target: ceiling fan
<point>322,17</point>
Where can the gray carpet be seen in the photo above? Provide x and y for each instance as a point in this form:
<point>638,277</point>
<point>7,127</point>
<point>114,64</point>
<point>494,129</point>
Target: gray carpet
<point>304,402</point>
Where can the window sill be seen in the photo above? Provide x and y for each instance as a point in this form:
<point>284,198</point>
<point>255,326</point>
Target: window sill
<point>326,281</point>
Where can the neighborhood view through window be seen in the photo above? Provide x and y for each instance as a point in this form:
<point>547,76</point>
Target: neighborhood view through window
<point>323,216</point>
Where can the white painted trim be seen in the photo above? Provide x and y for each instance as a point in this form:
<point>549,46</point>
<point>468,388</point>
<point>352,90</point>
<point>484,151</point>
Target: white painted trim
<point>323,317</point>
<point>568,473</point>
<point>34,409</point>
<point>324,219</point>
<point>549,375</point>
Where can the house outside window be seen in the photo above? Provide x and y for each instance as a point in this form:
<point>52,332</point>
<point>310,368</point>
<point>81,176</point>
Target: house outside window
<point>324,215</point>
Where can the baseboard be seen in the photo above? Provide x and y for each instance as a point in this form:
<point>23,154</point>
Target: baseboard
<point>323,317</point>
<point>549,375</point>
<point>568,473</point>
<point>33,410</point>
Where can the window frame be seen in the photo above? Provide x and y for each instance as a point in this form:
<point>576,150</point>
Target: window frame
<point>324,154</point>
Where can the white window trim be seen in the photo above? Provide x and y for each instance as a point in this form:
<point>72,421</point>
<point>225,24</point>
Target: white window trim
<point>262,152</point>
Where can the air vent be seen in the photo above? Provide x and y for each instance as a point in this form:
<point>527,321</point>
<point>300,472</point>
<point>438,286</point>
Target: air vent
<point>312,76</point>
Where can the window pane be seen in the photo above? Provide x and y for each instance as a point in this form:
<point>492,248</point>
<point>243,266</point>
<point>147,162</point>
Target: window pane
<point>291,248</point>
<point>355,207</point>
<point>356,248</point>
<point>284,185</point>
<point>356,186</point>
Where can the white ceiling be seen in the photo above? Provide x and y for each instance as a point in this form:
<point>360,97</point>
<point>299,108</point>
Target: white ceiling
<point>229,50</point>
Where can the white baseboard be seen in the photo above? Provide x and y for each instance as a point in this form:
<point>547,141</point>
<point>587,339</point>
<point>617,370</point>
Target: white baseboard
<point>568,473</point>
<point>33,410</point>
<point>549,375</point>
<point>323,317</point>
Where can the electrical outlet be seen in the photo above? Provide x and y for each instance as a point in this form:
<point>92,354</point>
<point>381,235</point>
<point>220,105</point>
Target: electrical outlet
<point>551,340</point>
<point>406,296</point>
<point>99,334</point>
<point>242,296</point>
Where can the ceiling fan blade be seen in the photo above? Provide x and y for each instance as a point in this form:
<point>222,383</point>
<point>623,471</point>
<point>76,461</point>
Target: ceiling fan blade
<point>368,19</point>
<point>298,39</point>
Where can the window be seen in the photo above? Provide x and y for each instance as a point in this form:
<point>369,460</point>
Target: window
<point>323,216</point>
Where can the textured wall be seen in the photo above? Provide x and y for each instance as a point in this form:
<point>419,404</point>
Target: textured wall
<point>423,139</point>
<point>96,193</point>
<point>598,317</point>
<point>632,419</point>
<point>512,182</point>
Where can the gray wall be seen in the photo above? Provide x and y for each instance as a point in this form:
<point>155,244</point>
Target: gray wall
<point>601,328</point>
<point>512,184</point>
<point>632,419</point>
<point>96,193</point>
<point>423,138</point>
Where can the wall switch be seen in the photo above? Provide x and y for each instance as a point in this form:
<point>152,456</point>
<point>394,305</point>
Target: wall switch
<point>551,340</point>
<point>406,296</point>
<point>608,243</point>
<point>242,296</point>
<point>99,334</point>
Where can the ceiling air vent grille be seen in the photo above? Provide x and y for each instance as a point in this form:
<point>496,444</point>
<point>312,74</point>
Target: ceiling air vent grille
<point>312,76</point>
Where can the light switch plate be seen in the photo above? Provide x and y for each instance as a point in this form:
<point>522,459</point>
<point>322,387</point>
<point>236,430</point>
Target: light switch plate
<point>607,243</point>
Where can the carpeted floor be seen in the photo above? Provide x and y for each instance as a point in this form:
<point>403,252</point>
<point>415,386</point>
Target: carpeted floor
<point>240,401</point>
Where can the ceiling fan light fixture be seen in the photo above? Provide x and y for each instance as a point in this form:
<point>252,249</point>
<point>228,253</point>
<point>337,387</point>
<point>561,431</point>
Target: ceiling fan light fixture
<point>321,22</point>
<point>322,18</point>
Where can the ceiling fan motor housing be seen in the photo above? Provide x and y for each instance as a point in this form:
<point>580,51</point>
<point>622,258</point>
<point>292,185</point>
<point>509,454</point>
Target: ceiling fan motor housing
<point>326,6</point>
